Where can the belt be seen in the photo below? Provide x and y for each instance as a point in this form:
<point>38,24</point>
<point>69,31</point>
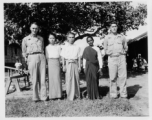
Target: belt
<point>34,53</point>
<point>71,60</point>
<point>114,55</point>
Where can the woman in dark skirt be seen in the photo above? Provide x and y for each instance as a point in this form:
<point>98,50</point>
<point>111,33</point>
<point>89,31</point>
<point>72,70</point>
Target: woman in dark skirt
<point>92,64</point>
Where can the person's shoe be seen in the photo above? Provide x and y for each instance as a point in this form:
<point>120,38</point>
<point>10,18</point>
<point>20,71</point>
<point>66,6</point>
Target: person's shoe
<point>100,97</point>
<point>47,99</point>
<point>123,97</point>
<point>86,97</point>
<point>113,97</point>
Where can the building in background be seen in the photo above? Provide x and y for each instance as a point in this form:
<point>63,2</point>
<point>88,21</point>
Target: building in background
<point>13,51</point>
<point>137,45</point>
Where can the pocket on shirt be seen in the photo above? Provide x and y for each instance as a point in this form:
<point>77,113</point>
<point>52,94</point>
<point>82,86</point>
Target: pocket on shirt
<point>110,47</point>
<point>119,46</point>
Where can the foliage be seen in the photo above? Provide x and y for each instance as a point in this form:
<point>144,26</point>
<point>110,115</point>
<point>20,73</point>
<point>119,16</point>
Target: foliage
<point>75,16</point>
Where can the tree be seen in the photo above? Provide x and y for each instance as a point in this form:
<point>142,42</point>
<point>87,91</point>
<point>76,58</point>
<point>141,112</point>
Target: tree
<point>63,17</point>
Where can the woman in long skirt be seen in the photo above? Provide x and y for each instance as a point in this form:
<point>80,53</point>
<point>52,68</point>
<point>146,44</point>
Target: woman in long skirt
<point>53,55</point>
<point>71,65</point>
<point>92,64</point>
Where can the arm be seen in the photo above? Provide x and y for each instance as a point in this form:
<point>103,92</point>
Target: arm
<point>102,53</point>
<point>84,63</point>
<point>46,53</point>
<point>62,57</point>
<point>99,58</point>
<point>42,45</point>
<point>125,45</point>
<point>24,49</point>
<point>79,59</point>
<point>63,64</point>
<point>105,45</point>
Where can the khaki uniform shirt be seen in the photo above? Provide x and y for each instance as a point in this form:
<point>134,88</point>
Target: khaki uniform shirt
<point>115,45</point>
<point>32,44</point>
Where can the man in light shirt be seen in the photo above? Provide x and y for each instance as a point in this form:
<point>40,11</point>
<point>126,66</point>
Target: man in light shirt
<point>33,52</point>
<point>115,46</point>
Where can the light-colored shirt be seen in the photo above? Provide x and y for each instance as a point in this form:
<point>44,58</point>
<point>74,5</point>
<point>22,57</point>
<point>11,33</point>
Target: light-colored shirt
<point>32,44</point>
<point>52,51</point>
<point>99,57</point>
<point>71,52</point>
<point>115,44</point>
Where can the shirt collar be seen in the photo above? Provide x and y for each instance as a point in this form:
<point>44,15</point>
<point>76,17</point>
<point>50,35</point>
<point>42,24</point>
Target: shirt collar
<point>30,37</point>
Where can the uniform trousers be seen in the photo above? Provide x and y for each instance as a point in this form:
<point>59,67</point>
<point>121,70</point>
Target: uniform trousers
<point>118,75</point>
<point>37,69</point>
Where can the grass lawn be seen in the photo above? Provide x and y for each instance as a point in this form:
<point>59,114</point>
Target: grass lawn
<point>25,107</point>
<point>78,108</point>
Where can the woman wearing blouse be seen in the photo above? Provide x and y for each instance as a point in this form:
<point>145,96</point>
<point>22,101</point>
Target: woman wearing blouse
<point>92,64</point>
<point>53,55</point>
<point>71,65</point>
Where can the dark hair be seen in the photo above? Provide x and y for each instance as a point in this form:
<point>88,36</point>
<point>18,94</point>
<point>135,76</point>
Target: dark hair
<point>114,22</point>
<point>35,23</point>
<point>70,33</point>
<point>89,37</point>
<point>52,34</point>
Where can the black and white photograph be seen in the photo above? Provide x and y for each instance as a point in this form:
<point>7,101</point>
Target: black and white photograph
<point>76,59</point>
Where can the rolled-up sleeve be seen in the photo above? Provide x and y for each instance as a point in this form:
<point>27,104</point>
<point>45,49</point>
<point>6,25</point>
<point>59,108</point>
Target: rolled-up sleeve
<point>24,47</point>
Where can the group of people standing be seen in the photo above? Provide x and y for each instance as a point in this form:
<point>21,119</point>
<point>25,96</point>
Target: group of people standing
<point>33,51</point>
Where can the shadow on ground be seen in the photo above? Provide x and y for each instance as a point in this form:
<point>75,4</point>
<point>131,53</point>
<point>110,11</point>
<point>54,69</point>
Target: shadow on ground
<point>132,90</point>
<point>131,74</point>
<point>104,90</point>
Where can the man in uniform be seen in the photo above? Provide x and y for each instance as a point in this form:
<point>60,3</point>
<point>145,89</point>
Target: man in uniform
<point>115,46</point>
<point>33,52</point>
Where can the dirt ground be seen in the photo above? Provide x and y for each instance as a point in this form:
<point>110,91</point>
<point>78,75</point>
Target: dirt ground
<point>137,88</point>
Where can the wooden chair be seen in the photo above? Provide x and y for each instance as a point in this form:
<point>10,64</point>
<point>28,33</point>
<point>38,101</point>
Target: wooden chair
<point>11,76</point>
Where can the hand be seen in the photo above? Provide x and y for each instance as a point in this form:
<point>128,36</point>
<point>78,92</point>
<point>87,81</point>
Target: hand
<point>25,59</point>
<point>100,71</point>
<point>64,68</point>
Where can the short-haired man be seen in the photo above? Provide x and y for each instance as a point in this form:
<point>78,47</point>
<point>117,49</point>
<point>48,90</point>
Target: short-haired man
<point>115,46</point>
<point>33,52</point>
